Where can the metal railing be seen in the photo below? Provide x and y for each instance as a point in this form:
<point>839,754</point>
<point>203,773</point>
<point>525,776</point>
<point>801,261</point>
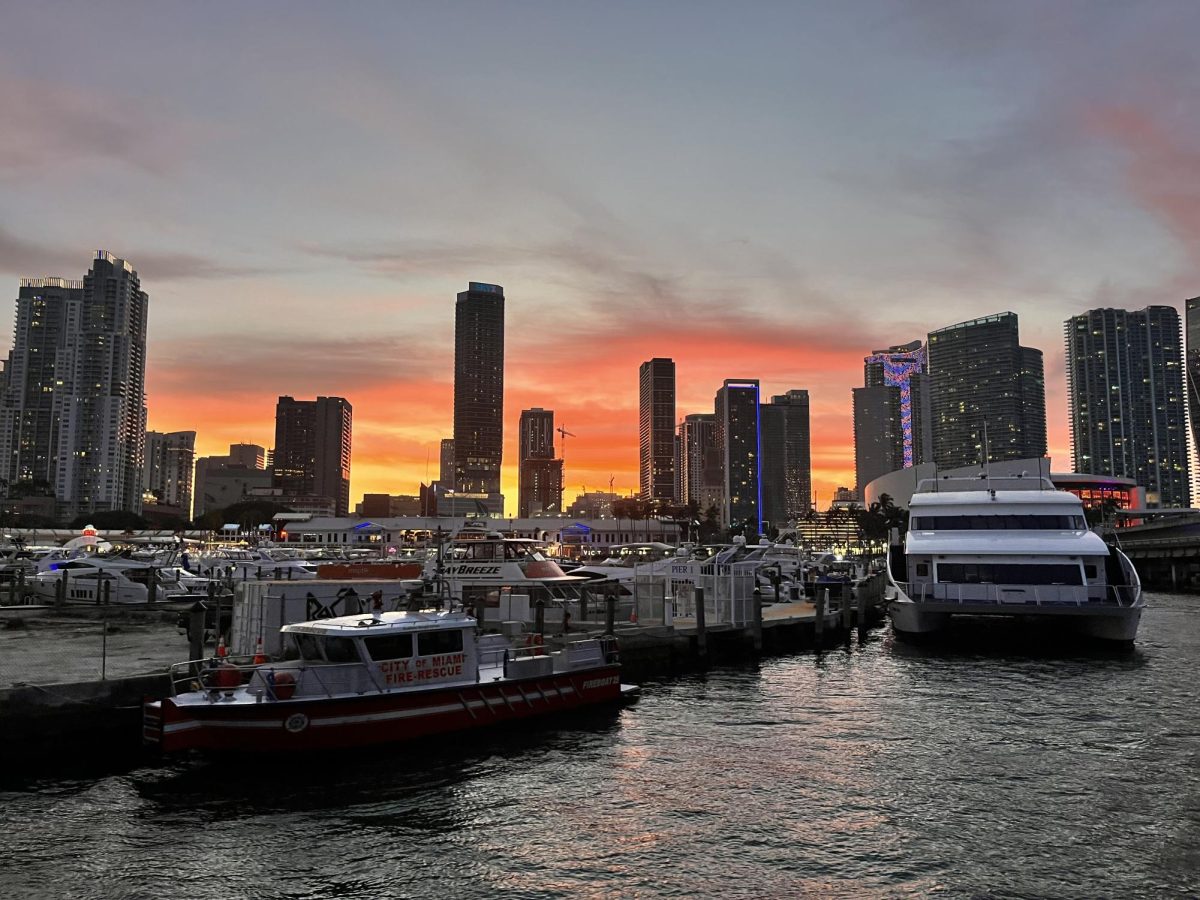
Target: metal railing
<point>1022,594</point>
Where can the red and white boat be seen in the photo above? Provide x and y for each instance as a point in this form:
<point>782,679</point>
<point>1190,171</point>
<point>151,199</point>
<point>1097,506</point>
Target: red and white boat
<point>379,678</point>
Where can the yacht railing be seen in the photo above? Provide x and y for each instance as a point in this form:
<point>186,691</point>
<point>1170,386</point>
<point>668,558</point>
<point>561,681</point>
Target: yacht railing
<point>1022,594</point>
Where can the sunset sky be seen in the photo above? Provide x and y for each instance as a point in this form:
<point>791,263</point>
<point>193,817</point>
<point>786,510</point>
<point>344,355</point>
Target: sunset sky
<point>755,190</point>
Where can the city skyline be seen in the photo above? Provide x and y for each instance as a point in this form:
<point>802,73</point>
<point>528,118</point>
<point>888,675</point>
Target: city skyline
<point>776,220</point>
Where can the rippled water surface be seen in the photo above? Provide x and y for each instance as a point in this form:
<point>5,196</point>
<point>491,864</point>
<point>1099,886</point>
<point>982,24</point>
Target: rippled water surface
<point>874,770</point>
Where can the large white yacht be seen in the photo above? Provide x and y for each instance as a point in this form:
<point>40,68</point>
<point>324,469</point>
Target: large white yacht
<point>982,549</point>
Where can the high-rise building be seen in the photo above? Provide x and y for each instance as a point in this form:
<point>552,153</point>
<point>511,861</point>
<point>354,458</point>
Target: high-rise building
<point>446,463</point>
<point>1192,313</point>
<point>1127,402</point>
<point>312,450</point>
<point>170,459</point>
<point>786,458</point>
<point>479,395</point>
<point>656,428</point>
<point>74,389</point>
<point>738,435</point>
<point>699,462</point>
<point>252,456</point>
<point>33,393</point>
<point>539,474</point>
<point>892,419</point>
<point>986,389</point>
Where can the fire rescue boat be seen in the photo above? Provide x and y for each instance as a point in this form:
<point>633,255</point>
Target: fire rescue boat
<point>379,678</point>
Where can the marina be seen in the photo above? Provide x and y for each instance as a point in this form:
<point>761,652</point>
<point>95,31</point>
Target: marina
<point>876,768</point>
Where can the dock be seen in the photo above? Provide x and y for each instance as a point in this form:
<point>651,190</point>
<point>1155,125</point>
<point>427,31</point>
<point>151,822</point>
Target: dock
<point>43,716</point>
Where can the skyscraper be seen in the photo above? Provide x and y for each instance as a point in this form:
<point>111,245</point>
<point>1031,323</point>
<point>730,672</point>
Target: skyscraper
<point>446,463</point>
<point>169,463</point>
<point>700,462</point>
<point>74,396</point>
<point>656,428</point>
<point>737,434</point>
<point>1192,312</point>
<point>479,394</point>
<point>312,449</point>
<point>539,474</point>
<point>982,379</point>
<point>1127,402</point>
<point>786,458</point>
<point>33,394</point>
<point>892,419</point>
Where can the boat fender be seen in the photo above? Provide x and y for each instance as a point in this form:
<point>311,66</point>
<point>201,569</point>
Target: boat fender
<point>282,684</point>
<point>533,641</point>
<point>227,677</point>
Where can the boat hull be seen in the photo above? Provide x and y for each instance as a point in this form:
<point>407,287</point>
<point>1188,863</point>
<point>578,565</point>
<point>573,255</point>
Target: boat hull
<point>1116,624</point>
<point>341,722</point>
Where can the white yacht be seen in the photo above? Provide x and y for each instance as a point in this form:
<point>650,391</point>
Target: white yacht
<point>1024,553</point>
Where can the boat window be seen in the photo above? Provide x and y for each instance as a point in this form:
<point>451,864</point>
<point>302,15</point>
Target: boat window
<point>1006,522</point>
<point>391,646</point>
<point>340,650</point>
<point>1009,573</point>
<point>923,569</point>
<point>430,643</point>
<point>309,646</point>
<point>1089,572</point>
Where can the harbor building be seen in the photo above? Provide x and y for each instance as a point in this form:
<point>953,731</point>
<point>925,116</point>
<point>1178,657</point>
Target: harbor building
<point>312,451</point>
<point>656,429</point>
<point>786,458</point>
<point>221,481</point>
<point>539,474</point>
<point>739,436</point>
<point>1127,403</point>
<point>74,401</point>
<point>479,395</point>
<point>170,459</point>
<point>699,462</point>
<point>985,385</point>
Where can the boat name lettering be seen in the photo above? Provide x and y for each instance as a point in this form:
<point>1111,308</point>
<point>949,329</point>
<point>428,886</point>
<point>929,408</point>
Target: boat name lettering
<point>599,682</point>
<point>423,668</point>
<point>473,570</point>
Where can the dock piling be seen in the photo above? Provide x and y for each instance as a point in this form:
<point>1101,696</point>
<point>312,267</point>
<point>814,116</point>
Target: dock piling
<point>756,634</point>
<point>820,601</point>
<point>196,631</point>
<point>701,633</point>
<point>610,613</point>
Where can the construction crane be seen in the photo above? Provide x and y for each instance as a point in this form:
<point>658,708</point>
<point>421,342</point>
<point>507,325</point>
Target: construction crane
<point>565,434</point>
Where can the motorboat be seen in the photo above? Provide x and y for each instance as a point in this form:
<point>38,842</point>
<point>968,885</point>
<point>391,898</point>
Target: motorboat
<point>1003,547</point>
<point>378,678</point>
<point>95,579</point>
<point>255,564</point>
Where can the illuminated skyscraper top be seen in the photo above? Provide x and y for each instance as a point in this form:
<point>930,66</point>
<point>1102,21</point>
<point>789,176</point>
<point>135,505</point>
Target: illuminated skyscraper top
<point>896,367</point>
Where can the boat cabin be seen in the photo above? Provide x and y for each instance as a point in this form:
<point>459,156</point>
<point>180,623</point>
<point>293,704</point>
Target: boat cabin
<point>1006,547</point>
<point>397,651</point>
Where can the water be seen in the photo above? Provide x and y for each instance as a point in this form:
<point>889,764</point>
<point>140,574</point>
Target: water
<point>878,770</point>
